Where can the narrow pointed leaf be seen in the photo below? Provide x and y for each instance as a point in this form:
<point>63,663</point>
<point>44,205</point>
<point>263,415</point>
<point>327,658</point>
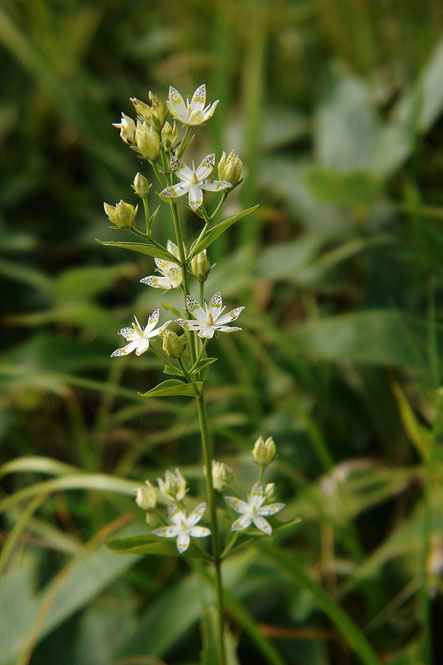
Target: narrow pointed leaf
<point>142,247</point>
<point>173,387</point>
<point>203,363</point>
<point>214,232</point>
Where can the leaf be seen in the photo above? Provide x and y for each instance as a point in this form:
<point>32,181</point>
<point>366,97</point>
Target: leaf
<point>214,232</point>
<point>173,387</point>
<point>143,248</point>
<point>170,369</point>
<point>88,281</point>
<point>151,544</point>
<point>204,362</point>
<point>172,309</point>
<point>430,89</point>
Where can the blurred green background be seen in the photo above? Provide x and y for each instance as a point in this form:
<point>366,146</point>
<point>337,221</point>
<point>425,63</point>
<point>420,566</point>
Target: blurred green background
<point>335,107</point>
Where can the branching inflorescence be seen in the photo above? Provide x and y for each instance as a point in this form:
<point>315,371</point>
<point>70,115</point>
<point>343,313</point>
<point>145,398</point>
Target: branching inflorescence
<point>183,350</point>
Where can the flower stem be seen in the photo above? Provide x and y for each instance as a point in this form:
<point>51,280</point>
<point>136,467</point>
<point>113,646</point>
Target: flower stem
<point>203,420</point>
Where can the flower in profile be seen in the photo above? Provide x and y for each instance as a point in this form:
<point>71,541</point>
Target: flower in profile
<point>127,129</point>
<point>173,487</point>
<point>146,496</point>
<point>253,511</point>
<point>183,528</point>
<point>210,319</point>
<point>193,181</point>
<point>139,337</point>
<point>172,274</point>
<point>190,112</point>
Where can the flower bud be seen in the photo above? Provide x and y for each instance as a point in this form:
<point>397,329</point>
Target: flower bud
<point>222,475</point>
<point>173,487</point>
<point>141,185</point>
<point>127,129</point>
<point>269,492</point>
<point>147,140</point>
<point>230,168</point>
<point>200,266</point>
<point>157,111</point>
<point>143,111</point>
<point>122,214</point>
<point>264,451</point>
<point>173,345</point>
<point>169,136</point>
<point>146,497</point>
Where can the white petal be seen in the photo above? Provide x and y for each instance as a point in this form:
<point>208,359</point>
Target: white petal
<point>176,104</point>
<point>166,532</point>
<point>271,509</point>
<point>230,316</point>
<point>173,249</point>
<point>211,185</point>
<point>152,321</point>
<point>227,329</point>
<point>195,197</point>
<point>186,324</point>
<point>183,540</point>
<point>215,305</point>
<point>196,514</point>
<point>199,532</point>
<point>128,333</point>
<point>262,524</point>
<point>205,167</point>
<point>125,349</point>
<point>180,169</point>
<point>237,504</point>
<point>241,523</point>
<point>207,332</point>
<point>142,347</point>
<point>193,307</point>
<point>175,190</point>
<point>157,282</point>
<point>198,100</point>
<point>209,110</point>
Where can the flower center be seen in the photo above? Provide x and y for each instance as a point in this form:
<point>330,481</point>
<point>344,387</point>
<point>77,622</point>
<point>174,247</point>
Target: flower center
<point>209,319</point>
<point>194,179</point>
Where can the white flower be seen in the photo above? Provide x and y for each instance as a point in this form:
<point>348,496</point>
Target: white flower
<point>127,129</point>
<point>253,511</point>
<point>210,319</point>
<point>173,487</point>
<point>139,337</point>
<point>193,181</point>
<point>172,273</point>
<point>183,528</point>
<point>190,112</point>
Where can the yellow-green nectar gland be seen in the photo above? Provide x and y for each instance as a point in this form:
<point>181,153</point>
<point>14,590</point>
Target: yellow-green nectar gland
<point>209,320</point>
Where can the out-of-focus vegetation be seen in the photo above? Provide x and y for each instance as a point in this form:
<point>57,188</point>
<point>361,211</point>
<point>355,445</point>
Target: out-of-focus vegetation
<point>335,107</point>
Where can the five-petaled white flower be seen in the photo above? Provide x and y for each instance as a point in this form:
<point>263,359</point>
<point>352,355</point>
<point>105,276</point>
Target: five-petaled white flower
<point>190,112</point>
<point>193,181</point>
<point>253,511</point>
<point>210,319</point>
<point>139,337</point>
<point>183,528</point>
<point>172,273</point>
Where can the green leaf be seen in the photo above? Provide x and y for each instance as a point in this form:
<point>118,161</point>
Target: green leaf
<point>170,369</point>
<point>173,387</point>
<point>151,544</point>
<point>142,247</point>
<point>88,281</point>
<point>204,362</point>
<point>214,232</point>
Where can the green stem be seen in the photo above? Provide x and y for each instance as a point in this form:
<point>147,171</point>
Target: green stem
<point>203,420</point>
<point>220,203</point>
<point>147,220</point>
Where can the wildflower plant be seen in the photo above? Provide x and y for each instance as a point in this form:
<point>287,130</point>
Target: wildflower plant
<point>180,185</point>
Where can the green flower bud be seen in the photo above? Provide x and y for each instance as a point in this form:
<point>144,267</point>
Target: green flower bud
<point>127,129</point>
<point>200,266</point>
<point>230,168</point>
<point>143,111</point>
<point>173,487</point>
<point>169,136</point>
<point>173,345</point>
<point>269,492</point>
<point>122,215</point>
<point>147,140</point>
<point>222,475</point>
<point>141,185</point>
<point>146,497</point>
<point>157,111</point>
<point>264,451</point>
